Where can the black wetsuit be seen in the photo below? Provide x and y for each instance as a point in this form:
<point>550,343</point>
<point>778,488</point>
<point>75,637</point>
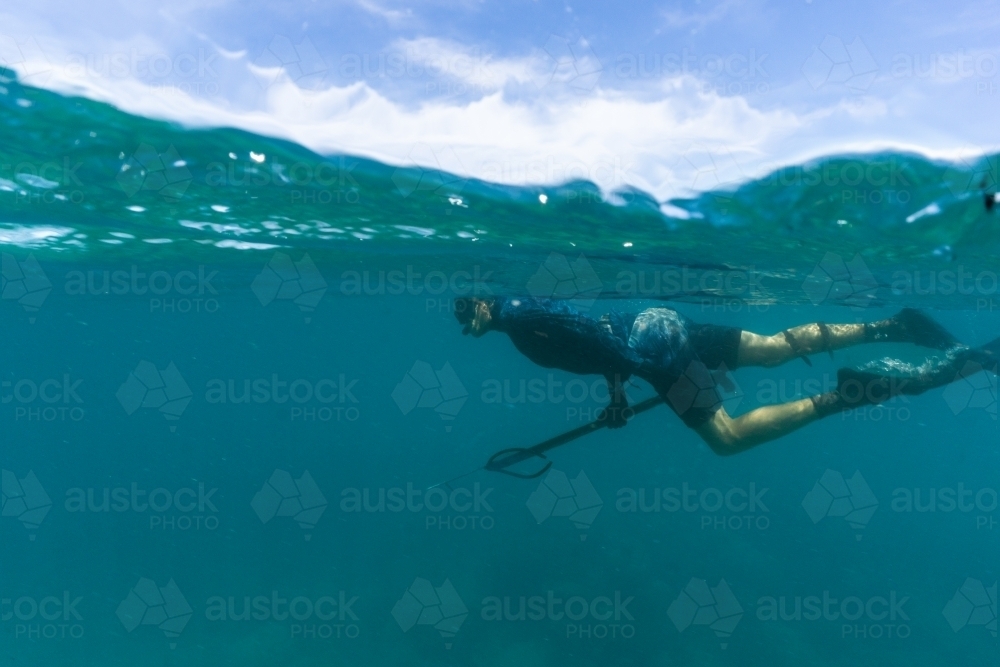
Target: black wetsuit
<point>676,356</point>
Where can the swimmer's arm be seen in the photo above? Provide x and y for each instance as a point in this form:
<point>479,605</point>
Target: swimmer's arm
<point>616,412</point>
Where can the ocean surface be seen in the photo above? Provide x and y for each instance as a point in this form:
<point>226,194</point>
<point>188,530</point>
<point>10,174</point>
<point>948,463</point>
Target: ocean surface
<point>230,371</point>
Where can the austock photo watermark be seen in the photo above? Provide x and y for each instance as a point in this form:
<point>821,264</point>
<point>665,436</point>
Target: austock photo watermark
<point>170,292</point>
<point>436,178</point>
<point>439,390</point>
<point>868,616</point>
<point>982,285</point>
<point>849,64</point>
<point>737,508</point>
<point>850,498</point>
<point>328,399</point>
<point>737,73</point>
<point>301,399</point>
<point>855,617</point>
<point>743,508</point>
<point>729,290</point>
<point>608,616</point>
<point>23,281</point>
<point>700,604</point>
<point>612,172</point>
<point>885,399</point>
<point>285,279</point>
<point>24,500</point>
<point>584,400</point>
<point>146,169</point>
<point>185,72</point>
<point>298,499</point>
<point>440,607</point>
<point>582,618</point>
<point>167,292</point>
<point>321,616</point>
<point>53,399</point>
<point>324,181</point>
<point>438,287</point>
<point>442,508</point>
<point>852,283</point>
<point>456,508</point>
<point>561,65</point>
<point>975,505</point>
<point>979,68</point>
<point>329,615</point>
<point>183,508</point>
<point>603,617</point>
<point>284,60</point>
<point>888,403</point>
<point>51,616</point>
<point>188,72</point>
<point>167,509</point>
<point>443,392</point>
<point>716,290</point>
<point>834,63</point>
<point>562,497</point>
<point>134,63</point>
<point>47,182</point>
<point>315,399</point>
<point>877,181</point>
<point>441,72</point>
<point>837,64</point>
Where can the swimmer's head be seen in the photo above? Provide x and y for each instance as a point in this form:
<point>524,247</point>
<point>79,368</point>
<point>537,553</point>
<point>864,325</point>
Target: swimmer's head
<point>474,314</point>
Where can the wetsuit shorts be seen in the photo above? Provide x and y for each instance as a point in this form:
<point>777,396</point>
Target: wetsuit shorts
<point>684,360</point>
<point>715,344</point>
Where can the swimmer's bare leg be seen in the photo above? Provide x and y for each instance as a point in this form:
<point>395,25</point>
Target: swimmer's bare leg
<point>907,326</point>
<point>727,436</point>
<point>855,389</point>
<point>758,350</point>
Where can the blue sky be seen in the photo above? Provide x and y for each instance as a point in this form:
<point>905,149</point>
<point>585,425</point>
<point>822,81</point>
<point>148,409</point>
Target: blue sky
<point>665,96</point>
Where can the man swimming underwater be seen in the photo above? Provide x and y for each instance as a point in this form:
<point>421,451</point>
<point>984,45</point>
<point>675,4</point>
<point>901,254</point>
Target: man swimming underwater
<point>683,361</point>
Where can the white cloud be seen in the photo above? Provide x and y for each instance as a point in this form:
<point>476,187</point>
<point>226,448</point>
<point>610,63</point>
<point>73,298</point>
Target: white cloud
<point>393,16</point>
<point>670,137</point>
<point>606,137</point>
<point>454,61</point>
<point>678,18</point>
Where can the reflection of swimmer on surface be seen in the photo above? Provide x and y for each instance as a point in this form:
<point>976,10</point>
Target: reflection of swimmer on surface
<point>684,361</point>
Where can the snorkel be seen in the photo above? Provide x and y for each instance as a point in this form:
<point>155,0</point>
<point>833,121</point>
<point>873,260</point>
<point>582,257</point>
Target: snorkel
<point>476,315</point>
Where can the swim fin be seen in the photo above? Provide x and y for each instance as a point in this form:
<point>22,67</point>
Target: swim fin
<point>855,389</point>
<point>911,326</point>
<point>988,356</point>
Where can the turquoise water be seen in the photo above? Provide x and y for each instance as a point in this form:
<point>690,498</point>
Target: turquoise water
<point>230,371</point>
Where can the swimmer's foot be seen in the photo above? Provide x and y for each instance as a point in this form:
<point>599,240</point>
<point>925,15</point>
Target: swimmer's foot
<point>856,389</point>
<point>911,326</point>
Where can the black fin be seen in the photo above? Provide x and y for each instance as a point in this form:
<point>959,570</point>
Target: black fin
<point>922,330</point>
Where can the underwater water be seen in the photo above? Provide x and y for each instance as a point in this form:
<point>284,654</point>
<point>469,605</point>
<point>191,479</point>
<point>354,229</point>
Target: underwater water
<point>230,371</point>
